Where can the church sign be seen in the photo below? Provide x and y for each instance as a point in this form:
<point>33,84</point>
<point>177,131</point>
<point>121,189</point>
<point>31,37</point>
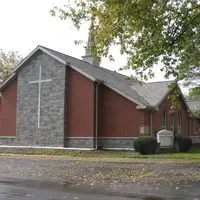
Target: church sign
<point>165,138</point>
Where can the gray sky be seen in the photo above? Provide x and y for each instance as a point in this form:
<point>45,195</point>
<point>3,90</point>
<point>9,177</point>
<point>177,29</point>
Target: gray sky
<point>28,23</point>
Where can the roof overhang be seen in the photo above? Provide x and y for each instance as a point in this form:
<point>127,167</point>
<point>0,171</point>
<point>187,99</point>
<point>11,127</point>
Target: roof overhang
<point>32,53</point>
<point>139,105</point>
<point>8,81</point>
<point>20,65</point>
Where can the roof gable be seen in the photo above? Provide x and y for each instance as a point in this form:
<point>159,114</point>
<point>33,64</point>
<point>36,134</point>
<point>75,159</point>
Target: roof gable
<point>109,78</point>
<point>153,92</point>
<point>194,104</point>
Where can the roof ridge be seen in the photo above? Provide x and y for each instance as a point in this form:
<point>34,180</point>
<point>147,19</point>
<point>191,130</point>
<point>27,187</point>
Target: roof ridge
<point>82,60</point>
<point>144,101</point>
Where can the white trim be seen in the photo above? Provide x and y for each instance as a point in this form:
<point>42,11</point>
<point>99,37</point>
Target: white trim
<point>140,106</point>
<point>101,137</point>
<point>55,57</point>
<point>52,55</point>
<point>38,147</point>
<point>25,59</point>
<point>7,80</point>
<point>8,137</point>
<point>119,149</point>
<point>117,137</point>
<point>167,93</point>
<point>79,137</point>
<point>83,73</point>
<point>42,81</point>
<point>36,49</point>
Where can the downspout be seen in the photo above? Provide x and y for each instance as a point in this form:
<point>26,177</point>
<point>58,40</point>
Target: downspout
<point>96,113</point>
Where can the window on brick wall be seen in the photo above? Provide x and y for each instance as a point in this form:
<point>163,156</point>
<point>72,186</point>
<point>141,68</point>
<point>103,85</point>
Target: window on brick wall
<point>172,121</point>
<point>179,122</point>
<point>164,118</point>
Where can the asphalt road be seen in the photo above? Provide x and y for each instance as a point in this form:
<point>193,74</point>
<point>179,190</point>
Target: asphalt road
<point>59,177</point>
<point>9,190</point>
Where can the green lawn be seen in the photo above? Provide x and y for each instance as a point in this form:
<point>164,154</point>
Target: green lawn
<point>194,153</point>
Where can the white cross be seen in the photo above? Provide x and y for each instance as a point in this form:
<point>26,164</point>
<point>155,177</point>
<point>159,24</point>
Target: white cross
<point>40,81</point>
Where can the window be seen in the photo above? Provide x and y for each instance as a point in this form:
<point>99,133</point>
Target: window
<point>179,122</point>
<point>164,119</point>
<point>194,126</point>
<point>172,122</point>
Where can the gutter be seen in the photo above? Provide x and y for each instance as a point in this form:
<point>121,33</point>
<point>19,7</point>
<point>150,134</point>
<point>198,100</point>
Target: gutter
<point>97,112</point>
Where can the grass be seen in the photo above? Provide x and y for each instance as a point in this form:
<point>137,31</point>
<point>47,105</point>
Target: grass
<point>193,154</point>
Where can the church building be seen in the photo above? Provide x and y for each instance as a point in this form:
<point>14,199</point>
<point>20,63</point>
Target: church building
<point>55,100</point>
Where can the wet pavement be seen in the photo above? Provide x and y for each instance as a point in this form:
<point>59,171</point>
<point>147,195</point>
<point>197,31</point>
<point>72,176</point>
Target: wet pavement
<point>13,192</point>
<point>57,178</point>
<point>34,190</point>
<point>11,189</point>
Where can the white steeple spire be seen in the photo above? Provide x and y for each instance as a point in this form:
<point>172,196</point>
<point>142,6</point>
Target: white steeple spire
<point>89,57</point>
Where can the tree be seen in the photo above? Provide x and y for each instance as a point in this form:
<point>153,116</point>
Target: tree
<point>8,61</point>
<point>194,93</point>
<point>147,31</point>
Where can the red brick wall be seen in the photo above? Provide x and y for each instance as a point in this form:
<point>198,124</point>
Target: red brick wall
<point>80,105</point>
<point>8,110</point>
<point>185,117</point>
<point>118,116</point>
<point>157,117</point>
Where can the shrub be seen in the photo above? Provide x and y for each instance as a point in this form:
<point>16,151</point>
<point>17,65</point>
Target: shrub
<point>183,143</point>
<point>145,145</point>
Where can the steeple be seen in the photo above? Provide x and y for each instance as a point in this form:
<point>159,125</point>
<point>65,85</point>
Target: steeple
<point>89,57</point>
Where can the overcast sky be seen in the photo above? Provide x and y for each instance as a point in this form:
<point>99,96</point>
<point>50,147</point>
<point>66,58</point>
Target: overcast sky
<point>28,23</point>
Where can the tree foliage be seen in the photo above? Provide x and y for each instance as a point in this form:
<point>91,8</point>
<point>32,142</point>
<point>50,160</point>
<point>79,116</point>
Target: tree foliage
<point>147,32</point>
<point>194,93</point>
<point>8,60</point>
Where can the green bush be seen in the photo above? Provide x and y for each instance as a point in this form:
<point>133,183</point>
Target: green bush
<point>183,143</point>
<point>145,145</point>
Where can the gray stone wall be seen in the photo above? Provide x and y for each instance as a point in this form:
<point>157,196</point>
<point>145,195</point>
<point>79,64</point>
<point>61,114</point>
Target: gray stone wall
<point>51,131</point>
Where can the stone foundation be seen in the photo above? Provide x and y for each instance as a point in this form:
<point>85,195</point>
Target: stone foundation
<point>123,143</point>
<point>79,142</point>
<point>195,139</point>
<point>8,141</point>
<point>103,143</point>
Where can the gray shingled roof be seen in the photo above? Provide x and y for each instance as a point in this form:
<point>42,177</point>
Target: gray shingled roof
<point>148,95</point>
<point>194,105</point>
<point>153,92</point>
<point>111,78</point>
